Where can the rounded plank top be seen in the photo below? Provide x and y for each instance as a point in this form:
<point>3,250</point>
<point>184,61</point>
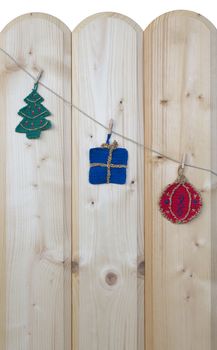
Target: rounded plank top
<point>125,18</point>
<point>37,15</point>
<point>182,13</point>
<point>102,15</point>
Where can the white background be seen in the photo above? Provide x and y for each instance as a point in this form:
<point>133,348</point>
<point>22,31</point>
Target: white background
<point>73,12</point>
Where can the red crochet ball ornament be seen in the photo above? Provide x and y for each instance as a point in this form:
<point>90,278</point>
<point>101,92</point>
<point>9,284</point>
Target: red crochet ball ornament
<point>180,202</point>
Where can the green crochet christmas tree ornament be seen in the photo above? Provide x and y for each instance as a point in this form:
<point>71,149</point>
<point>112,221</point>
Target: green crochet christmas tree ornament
<point>34,116</point>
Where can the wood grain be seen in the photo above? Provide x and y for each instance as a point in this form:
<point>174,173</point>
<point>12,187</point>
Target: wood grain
<point>108,222</point>
<point>180,110</point>
<point>36,205</point>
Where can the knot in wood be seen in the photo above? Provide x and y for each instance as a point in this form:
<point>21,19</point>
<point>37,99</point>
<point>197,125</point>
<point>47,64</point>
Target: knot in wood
<point>141,268</point>
<point>74,266</point>
<point>111,278</point>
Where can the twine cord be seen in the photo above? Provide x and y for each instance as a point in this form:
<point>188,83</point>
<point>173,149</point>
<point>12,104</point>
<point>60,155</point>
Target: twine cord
<point>211,171</point>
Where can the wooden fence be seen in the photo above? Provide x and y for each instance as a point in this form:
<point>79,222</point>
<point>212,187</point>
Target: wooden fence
<point>86,267</point>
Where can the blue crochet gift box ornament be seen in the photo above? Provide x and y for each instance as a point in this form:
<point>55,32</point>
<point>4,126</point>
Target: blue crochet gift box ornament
<point>108,164</point>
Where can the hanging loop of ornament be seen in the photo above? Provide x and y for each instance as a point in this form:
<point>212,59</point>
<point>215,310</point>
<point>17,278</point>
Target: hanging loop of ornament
<point>181,177</point>
<point>35,88</point>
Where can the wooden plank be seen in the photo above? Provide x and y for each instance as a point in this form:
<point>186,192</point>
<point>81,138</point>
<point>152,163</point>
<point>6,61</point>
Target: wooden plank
<point>213,94</point>
<point>180,109</point>
<point>2,215</point>
<point>108,222</point>
<point>38,183</point>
